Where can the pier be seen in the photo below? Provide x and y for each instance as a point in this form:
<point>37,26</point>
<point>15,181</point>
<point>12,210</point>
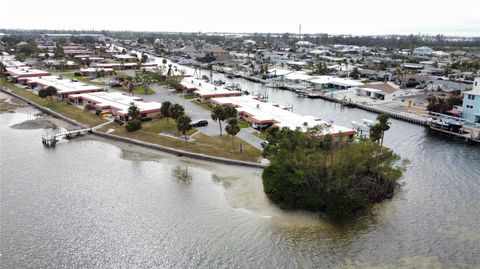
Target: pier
<point>467,135</point>
<point>49,140</point>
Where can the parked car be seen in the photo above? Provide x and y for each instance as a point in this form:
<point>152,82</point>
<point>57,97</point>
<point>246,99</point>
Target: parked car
<point>116,84</point>
<point>264,144</point>
<point>199,123</point>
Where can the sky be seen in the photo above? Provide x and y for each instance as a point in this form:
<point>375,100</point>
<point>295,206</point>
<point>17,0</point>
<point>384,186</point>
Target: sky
<point>357,17</point>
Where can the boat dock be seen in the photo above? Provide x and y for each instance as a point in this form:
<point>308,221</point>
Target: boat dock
<point>49,140</point>
<point>468,135</point>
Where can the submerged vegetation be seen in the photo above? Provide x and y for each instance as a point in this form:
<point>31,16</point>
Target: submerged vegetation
<point>328,175</point>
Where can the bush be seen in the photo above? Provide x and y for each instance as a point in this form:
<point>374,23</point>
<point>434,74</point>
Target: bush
<point>145,119</point>
<point>133,125</point>
<point>88,107</point>
<point>321,175</point>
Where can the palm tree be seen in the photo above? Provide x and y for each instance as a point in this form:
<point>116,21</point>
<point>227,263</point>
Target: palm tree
<point>230,112</point>
<point>384,126</point>
<point>2,69</point>
<point>218,114</point>
<point>165,110</point>
<point>176,111</point>
<point>232,129</point>
<point>210,68</point>
<point>183,125</point>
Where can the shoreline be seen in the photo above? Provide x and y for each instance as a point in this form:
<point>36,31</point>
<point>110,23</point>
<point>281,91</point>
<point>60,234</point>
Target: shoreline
<point>173,151</point>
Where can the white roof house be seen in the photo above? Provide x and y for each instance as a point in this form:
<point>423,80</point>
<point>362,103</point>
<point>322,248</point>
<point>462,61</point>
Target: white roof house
<point>64,86</point>
<point>329,82</point>
<point>259,112</point>
<point>118,102</point>
<point>206,90</point>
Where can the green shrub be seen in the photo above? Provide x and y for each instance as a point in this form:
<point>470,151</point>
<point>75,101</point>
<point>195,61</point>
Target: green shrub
<point>133,125</point>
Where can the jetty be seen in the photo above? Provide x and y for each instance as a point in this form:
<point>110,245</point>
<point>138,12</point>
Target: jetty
<point>49,140</point>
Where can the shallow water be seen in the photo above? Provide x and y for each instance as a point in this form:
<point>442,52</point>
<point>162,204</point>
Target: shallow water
<point>94,203</point>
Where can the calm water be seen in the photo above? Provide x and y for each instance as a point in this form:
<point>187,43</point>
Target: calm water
<point>96,204</point>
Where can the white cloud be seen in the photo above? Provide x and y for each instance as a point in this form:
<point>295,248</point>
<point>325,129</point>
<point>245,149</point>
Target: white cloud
<point>349,17</point>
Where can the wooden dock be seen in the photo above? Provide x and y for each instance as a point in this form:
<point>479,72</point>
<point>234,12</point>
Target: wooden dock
<point>49,140</point>
<point>466,134</point>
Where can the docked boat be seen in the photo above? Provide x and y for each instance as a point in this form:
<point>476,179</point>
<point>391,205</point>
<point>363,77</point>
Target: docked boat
<point>445,123</point>
<point>233,87</point>
<point>218,82</point>
<point>362,126</point>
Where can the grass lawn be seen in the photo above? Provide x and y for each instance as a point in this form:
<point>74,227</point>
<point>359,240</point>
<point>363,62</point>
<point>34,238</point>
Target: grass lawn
<point>137,90</point>
<point>84,79</point>
<point>213,146</point>
<point>243,124</point>
<point>120,73</point>
<point>162,126</point>
<point>88,118</point>
<point>261,135</point>
<point>202,105</point>
<point>189,96</point>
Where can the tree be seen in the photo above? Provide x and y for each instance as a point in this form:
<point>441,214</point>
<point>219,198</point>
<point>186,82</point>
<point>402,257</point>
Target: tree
<point>3,70</point>
<point>176,111</point>
<point>230,112</point>
<point>355,73</point>
<point>232,129</point>
<point>144,58</point>
<point>133,112</point>
<point>43,94</point>
<point>58,52</point>
<point>165,110</point>
<point>326,175</point>
<point>384,125</point>
<point>51,92</point>
<point>210,69</point>
<point>145,79</point>
<point>218,114</point>
<point>183,125</point>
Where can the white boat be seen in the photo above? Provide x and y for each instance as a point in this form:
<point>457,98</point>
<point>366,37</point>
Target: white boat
<point>362,126</point>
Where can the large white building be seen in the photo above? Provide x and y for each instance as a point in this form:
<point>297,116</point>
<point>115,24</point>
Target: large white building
<point>262,114</point>
<point>117,103</point>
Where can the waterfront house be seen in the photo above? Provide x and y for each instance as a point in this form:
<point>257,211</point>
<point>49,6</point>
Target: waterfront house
<point>125,58</point>
<point>64,86</point>
<point>205,91</point>
<point>261,115</point>
<point>334,83</point>
<point>19,74</point>
<point>380,91</point>
<point>117,104</point>
<point>471,103</point>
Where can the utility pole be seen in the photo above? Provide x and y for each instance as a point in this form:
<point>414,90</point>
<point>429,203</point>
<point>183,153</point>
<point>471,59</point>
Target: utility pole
<point>300,31</point>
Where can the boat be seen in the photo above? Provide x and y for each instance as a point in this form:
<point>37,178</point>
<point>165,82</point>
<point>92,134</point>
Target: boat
<point>362,126</point>
<point>445,123</point>
<point>233,87</point>
<point>218,82</point>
